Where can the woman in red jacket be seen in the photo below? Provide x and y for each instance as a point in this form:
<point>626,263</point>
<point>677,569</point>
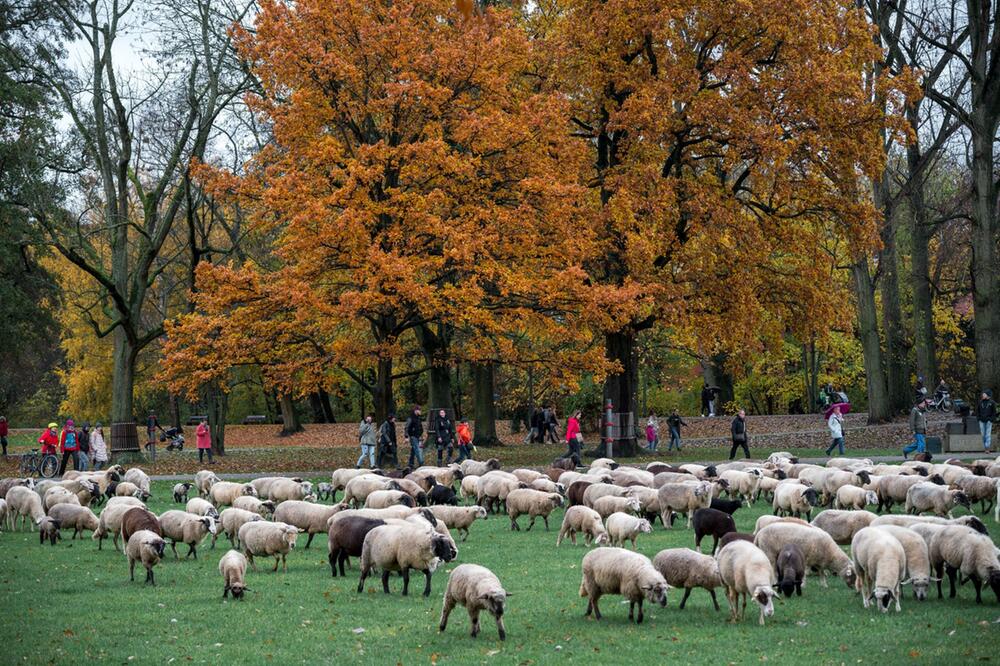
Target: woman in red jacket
<point>204,438</point>
<point>574,438</point>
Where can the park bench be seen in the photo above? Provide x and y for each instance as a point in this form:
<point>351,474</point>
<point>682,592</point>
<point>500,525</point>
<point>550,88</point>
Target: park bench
<point>254,419</point>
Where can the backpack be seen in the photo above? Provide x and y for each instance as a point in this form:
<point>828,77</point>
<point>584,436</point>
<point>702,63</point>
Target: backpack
<point>70,442</point>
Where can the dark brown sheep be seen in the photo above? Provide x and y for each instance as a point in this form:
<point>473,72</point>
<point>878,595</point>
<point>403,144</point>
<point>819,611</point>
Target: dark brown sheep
<point>139,519</point>
<point>729,537</point>
<point>575,492</point>
<point>791,567</point>
<point>347,536</point>
<point>711,522</point>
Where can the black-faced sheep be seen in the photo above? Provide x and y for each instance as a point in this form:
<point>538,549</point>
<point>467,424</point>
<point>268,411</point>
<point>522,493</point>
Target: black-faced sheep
<point>181,492</point>
<point>233,567</point>
<point>791,569</point>
<point>746,571</point>
<point>146,547</point>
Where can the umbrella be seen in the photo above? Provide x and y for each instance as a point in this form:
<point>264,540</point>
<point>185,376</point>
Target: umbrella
<point>845,407</point>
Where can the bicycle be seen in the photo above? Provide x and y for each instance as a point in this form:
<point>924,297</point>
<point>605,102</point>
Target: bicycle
<point>35,463</point>
<point>941,402</point>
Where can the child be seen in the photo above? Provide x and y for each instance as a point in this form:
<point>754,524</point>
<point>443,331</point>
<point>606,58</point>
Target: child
<point>49,439</point>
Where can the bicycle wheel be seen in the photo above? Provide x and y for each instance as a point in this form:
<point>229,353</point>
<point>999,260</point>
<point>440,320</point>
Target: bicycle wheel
<point>50,465</point>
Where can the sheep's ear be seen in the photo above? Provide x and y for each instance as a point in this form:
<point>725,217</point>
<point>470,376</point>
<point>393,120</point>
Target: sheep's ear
<point>906,582</point>
<point>936,580</point>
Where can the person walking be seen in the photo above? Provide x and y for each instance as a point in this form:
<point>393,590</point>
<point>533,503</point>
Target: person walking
<point>99,447</point>
<point>918,426</point>
<point>534,427</point>
<point>551,425</point>
<point>151,425</point>
<point>3,435</point>
<point>986,412</point>
<point>444,432</point>
<point>85,446</point>
<point>574,438</point>
<point>652,432</point>
<point>69,445</point>
<point>464,433</point>
<point>387,443</point>
<point>414,432</point>
<point>741,438</point>
<point>836,425</point>
<point>203,436</point>
<point>706,401</point>
<point>50,439</point>
<point>367,437</point>
<point>674,422</point>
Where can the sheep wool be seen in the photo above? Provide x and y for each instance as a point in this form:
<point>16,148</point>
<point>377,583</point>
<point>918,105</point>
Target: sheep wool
<point>585,520</point>
<point>534,503</point>
<point>306,516</point>
<point>622,572</point>
<point>147,548</point>
<point>401,548</point>
<point>268,539</point>
<point>458,517</point>
<point>818,547</point>
<point>230,522</point>
<point>233,567</point>
<point>624,527</point>
<point>477,588</point>
<point>918,563</point>
<point>746,571</point>
<point>843,525</point>
<point>963,551</point>
<point>683,567</point>
<point>79,518</point>
<point>880,561</point>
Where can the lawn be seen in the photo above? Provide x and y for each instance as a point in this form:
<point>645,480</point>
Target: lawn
<point>71,603</point>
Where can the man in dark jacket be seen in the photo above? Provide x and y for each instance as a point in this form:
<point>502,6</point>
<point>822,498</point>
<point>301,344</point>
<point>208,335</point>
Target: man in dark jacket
<point>740,435</point>
<point>444,431</point>
<point>918,425</point>
<point>534,427</point>
<point>674,422</point>
<point>387,443</point>
<point>986,412</point>
<point>551,426</point>
<point>414,431</point>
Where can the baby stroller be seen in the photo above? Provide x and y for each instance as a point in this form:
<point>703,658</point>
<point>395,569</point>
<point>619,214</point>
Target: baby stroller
<point>174,437</point>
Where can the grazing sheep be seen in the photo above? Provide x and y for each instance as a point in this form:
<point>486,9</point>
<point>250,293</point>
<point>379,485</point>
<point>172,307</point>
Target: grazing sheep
<point>880,561</point>
<point>138,518</point>
<point>414,490</point>
<point>727,506</point>
<point>48,528</point>
<point>683,567</point>
<point>110,523</point>
<point>346,539</point>
<point>525,475</point>
<point>24,503</point>
<point>595,491</point>
<point>307,516</point>
<point>186,528</point>
<point>446,476</point>
<point>477,588</point>
<point>533,503</point>
<point>623,527</point>
<point>852,497</point>
<point>478,468</point>
<point>284,490</point>
<point>930,497</point>
<point>649,501</point>
<point>233,567</point>
<point>340,477</point>
<point>818,547</point>
<point>458,517</point>
<point>711,522</point>
<point>468,488</point>
<point>324,491</point>
<point>492,491</point>
<point>746,571</point>
<point>78,517</point>
<point>383,498</point>
<point>138,477</point>
<point>199,507</point>
<point>146,547</point>
<point>59,495</point>
<point>608,505</point>
<point>791,569</point>
<point>440,493</point>
<point>545,485</point>
<point>972,522</point>
<point>263,484</point>
<point>230,522</point>
<point>980,489</point>
<point>960,550</point>
<point>793,499</point>
<point>84,489</point>
<point>623,572</point>
<point>585,520</point>
<point>700,471</point>
<point>893,489</point>
<point>181,492</point>
<point>733,536</point>
<point>401,548</point>
<point>766,520</point>
<point>223,493</point>
<point>204,480</point>
<point>744,483</point>
<point>129,489</point>
<point>261,537</point>
<point>843,525</point>
<point>263,508</point>
<point>360,487</point>
<point>918,563</point>
<point>686,497</point>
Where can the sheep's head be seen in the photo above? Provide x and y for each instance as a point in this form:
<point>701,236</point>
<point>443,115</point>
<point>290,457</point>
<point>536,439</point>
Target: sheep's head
<point>787,586</point>
<point>157,545</point>
<point>492,463</point>
<point>864,476</point>
<point>494,602</point>
<point>307,487</point>
<point>722,483</point>
<point>237,590</point>
<point>406,500</point>
<point>993,580</point>
<point>656,592</point>
<point>556,499</point>
<point>480,512</point>
<point>268,506</point>
<point>920,587</point>
<point>935,478</point>
<point>428,515</point>
<point>764,595</point>
<point>710,472</point>
<point>633,504</point>
<point>871,497</point>
<point>602,539</point>
<point>780,474</point>
<point>210,524</point>
<point>645,527</point>
<point>849,576</point>
<point>973,522</point>
<point>421,498</point>
<point>443,548</point>
<point>250,490</point>
<point>212,512</point>
<point>883,597</point>
<point>755,472</point>
<point>291,535</point>
<point>960,498</point>
<point>394,485</point>
<point>810,496</point>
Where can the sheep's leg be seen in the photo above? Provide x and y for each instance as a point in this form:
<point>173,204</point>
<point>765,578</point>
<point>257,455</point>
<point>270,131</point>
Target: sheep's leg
<point>465,531</point>
<point>310,539</point>
<point>277,561</point>
<point>331,558</point>
<point>731,598</point>
<point>951,580</point>
<point>427,584</point>
<point>631,611</point>
<point>513,523</point>
<point>405,573</point>
<point>225,591</point>
<point>131,570</point>
<point>449,604</point>
<point>531,523</point>
<point>385,582</point>
<point>474,619</point>
<point>545,519</point>
<point>501,630</point>
<point>250,558</point>
<point>597,611</point>
<point>687,593</point>
<point>977,584</point>
<point>284,562</point>
<point>559,537</point>
<point>361,583</point>
<point>690,519</point>
<point>150,580</point>
<point>938,572</point>
<point>638,620</point>
<point>342,560</point>
<point>715,602</point>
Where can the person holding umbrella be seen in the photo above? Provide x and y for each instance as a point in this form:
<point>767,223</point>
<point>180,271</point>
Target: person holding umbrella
<point>836,424</point>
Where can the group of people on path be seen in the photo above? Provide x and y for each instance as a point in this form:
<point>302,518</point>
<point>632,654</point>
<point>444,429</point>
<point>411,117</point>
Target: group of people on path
<point>84,446</point>
<point>986,414</point>
<point>543,425</point>
<point>380,447</point>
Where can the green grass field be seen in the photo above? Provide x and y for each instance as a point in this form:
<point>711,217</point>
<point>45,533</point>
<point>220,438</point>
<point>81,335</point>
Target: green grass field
<point>71,603</point>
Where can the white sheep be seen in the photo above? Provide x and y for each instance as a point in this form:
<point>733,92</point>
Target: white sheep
<point>110,521</point>
<point>742,483</point>
<point>528,476</point>
<point>794,499</point>
<point>586,520</point>
<point>231,520</point>
<point>199,507</point>
<point>980,489</point>
<point>283,490</point>
<point>469,487</point>
<point>79,518</point>
<point>180,492</point>
<point>603,464</point>
<point>533,503</point>
<point>146,547</point>
<point>458,517</point>
<point>204,480</point>
<point>59,495</point>
<point>892,489</point>
<point>683,567</point>
<point>493,490</point>
<point>819,549</point>
<point>880,562</point>
<point>137,477</point>
<point>129,489</point>
<point>963,551</point>
<point>186,528</point>
<point>222,493</point>
<point>383,498</point>
<point>477,467</point>
<point>595,491</point>
<point>263,484</point>
<point>401,548</point>
<point>918,563</point>
<point>357,489</point>
<point>268,539</point>
<point>608,505</point>
<point>746,571</point>
<point>843,525</point>
<point>686,497</point>
<point>307,516</point>
<point>624,527</point>
<point>340,477</point>
<point>931,497</point>
<point>24,503</point>
<point>477,588</point>
<point>852,497</point>
<point>546,485</point>
<point>233,567</point>
<point>765,520</point>
<point>623,572</point>
<point>263,508</point>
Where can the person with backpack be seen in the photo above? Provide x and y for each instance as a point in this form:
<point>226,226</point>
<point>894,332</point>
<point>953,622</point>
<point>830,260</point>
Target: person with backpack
<point>464,440</point>
<point>84,436</point>
<point>368,438</point>
<point>741,438</point>
<point>574,438</point>
<point>444,431</point>
<point>69,445</point>
<point>986,413</point>
<point>99,447</point>
<point>387,443</point>
<point>414,432</point>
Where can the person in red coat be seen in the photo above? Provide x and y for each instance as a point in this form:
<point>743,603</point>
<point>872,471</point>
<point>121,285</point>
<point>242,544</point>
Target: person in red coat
<point>69,444</point>
<point>3,434</point>
<point>204,438</point>
<point>49,439</point>
<point>574,438</point>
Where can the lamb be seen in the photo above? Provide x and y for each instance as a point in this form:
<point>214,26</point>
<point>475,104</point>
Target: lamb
<point>477,588</point>
<point>843,525</point>
<point>324,491</point>
<point>146,547</point>
<point>230,522</point>
<point>585,520</point>
<point>684,497</point>
<point>606,506</point>
<point>893,489</point>
<point>383,498</point>
<point>307,516</point>
<point>711,522</point>
<point>78,517</point>
<point>233,567</point>
<point>852,497</point>
<point>283,490</point>
<point>138,477</point>
<point>110,523</point>
<point>683,567</point>
<point>930,497</point>
<point>24,503</point>
<point>880,561</point>
<point>59,495</point>
<point>728,506</point>
<point>478,468</point>
<point>745,571</point>
<point>958,549</point>
<point>48,528</point>
<point>819,549</point>
<point>223,493</point>
<point>980,489</point>
<point>263,508</point>
<point>458,517</point>
<point>623,527</point>
<point>649,501</point>
<point>199,507</point>
<point>181,492</point>
<point>186,528</point>
<point>793,499</point>
<point>136,519</point>
<point>360,487</point>
<point>204,480</point>
<point>260,537</point>
<point>401,548</point>
<point>533,503</point>
<point>918,563</point>
<point>620,571</point>
<point>791,569</point>
<point>129,489</point>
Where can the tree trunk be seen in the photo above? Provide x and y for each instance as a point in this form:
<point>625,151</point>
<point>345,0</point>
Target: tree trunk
<point>621,387</point>
<point>715,374</point>
<point>897,374</point>
<point>920,282</point>
<point>175,411</point>
<point>985,278</point>
<point>317,408</point>
<point>879,409</point>
<point>290,418</point>
<point>324,401</point>
<point>435,348</point>
<point>218,408</point>
<point>383,400</point>
<point>123,380</point>
<point>484,410</point>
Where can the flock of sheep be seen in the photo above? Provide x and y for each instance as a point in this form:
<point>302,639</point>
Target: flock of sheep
<point>402,522</point>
